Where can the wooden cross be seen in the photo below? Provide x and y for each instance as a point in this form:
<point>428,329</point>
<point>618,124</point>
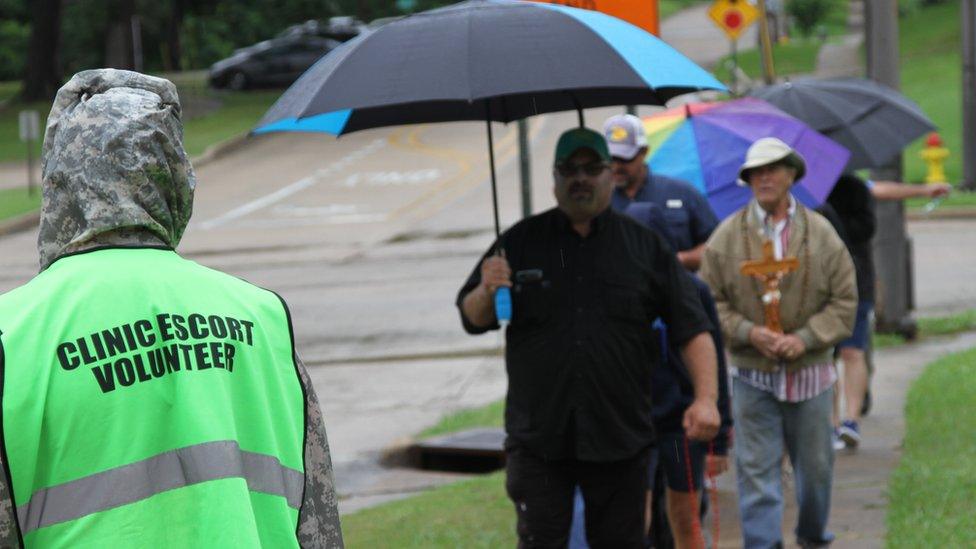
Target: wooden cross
<point>770,272</point>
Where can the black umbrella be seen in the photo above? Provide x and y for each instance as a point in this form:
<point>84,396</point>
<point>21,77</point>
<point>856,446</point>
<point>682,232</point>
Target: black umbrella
<point>873,121</point>
<point>492,60</point>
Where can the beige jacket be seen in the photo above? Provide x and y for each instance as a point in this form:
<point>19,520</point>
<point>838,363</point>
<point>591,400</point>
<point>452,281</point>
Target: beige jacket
<point>819,300</point>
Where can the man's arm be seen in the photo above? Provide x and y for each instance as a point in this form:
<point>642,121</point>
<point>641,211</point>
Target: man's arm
<point>478,306</point>
<point>691,258</point>
<point>893,190</point>
<point>701,420</point>
<point>318,517</point>
<point>8,517</point>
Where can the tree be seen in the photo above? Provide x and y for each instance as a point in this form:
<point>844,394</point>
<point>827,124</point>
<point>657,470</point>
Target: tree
<point>42,77</point>
<point>118,39</point>
<point>172,47</point>
<point>809,13</point>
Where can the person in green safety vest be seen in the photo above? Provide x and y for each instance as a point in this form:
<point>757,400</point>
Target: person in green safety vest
<point>147,401</point>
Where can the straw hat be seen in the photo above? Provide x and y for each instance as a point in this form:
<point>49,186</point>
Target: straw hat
<point>770,150</point>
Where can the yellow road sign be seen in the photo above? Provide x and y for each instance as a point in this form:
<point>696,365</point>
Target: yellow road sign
<point>733,16</point>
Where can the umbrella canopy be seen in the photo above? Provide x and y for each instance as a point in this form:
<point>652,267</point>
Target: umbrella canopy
<point>499,60</point>
<point>705,144</point>
<point>873,121</point>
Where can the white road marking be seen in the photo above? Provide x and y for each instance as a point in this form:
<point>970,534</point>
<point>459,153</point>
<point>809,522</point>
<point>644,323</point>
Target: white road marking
<point>301,184</point>
<point>306,221</point>
<point>391,178</point>
<point>317,211</point>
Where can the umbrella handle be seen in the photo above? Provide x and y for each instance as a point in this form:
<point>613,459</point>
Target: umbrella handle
<point>503,305</point>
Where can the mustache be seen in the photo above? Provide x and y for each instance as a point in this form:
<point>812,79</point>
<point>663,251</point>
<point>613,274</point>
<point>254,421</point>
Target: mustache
<point>579,186</point>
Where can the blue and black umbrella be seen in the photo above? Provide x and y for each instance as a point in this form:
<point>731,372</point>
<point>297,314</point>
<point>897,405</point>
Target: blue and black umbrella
<point>492,60</point>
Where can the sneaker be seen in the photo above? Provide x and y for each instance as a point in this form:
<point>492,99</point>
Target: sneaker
<point>849,433</point>
<point>837,442</point>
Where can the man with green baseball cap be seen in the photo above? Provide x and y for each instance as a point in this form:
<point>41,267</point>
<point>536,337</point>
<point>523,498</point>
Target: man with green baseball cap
<point>586,284</point>
<point>581,138</point>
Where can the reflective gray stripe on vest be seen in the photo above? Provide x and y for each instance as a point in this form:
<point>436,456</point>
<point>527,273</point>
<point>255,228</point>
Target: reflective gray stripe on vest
<point>151,476</point>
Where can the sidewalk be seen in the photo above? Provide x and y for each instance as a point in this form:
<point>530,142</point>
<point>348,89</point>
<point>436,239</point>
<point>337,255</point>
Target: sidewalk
<point>860,500</point>
<point>14,174</point>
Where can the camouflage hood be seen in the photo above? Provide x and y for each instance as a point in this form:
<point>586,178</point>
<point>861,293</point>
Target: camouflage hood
<point>114,169</point>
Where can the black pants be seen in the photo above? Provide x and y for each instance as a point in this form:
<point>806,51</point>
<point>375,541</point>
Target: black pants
<point>613,493</point>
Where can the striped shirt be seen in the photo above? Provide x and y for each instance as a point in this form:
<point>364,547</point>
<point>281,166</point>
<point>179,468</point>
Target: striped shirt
<point>786,386</point>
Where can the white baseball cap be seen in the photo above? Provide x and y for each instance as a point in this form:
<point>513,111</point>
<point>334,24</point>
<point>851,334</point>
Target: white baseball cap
<point>770,150</point>
<point>625,135</point>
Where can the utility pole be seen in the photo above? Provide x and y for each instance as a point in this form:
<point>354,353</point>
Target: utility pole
<point>768,70</point>
<point>892,246</point>
<point>968,16</point>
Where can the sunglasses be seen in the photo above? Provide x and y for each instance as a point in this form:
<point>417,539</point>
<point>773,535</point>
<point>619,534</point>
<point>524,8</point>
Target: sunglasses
<point>590,168</point>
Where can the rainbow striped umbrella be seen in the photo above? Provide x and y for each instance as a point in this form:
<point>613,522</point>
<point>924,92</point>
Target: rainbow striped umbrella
<point>705,144</point>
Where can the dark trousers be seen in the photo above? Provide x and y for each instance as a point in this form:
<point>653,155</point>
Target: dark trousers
<point>542,491</point>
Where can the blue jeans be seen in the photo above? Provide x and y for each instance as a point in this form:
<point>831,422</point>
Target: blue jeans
<point>763,427</point>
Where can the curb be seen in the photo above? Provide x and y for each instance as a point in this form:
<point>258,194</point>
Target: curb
<point>939,214</point>
<point>217,150</point>
<point>20,223</point>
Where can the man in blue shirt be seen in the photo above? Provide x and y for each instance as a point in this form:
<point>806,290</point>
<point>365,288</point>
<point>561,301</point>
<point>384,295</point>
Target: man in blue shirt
<point>689,216</point>
<point>690,221</point>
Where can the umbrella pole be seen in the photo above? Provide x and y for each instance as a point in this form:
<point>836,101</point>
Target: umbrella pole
<point>579,113</point>
<point>491,164</point>
<point>503,296</point>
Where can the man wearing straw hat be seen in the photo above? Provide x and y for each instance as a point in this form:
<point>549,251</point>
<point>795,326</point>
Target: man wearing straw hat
<point>783,382</point>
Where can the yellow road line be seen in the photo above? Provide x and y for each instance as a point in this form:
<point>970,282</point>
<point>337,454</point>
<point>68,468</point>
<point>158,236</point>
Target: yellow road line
<point>448,190</point>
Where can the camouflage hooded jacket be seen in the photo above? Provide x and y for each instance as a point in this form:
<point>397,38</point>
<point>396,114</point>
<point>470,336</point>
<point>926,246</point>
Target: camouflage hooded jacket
<point>115,174</point>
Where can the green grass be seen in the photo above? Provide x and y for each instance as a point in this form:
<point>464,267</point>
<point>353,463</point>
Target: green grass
<point>931,75</point>
<point>238,114</point>
<point>948,325</point>
<point>932,327</point>
<point>931,491</point>
<point>14,202</point>
<point>794,57</point>
<point>8,90</point>
<point>958,199</point>
<point>881,341</point>
<point>11,147</point>
<point>490,415</point>
<point>473,513</point>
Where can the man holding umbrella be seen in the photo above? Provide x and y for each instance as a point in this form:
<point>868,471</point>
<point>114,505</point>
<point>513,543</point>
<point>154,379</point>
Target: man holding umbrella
<point>586,284</point>
<point>782,394</point>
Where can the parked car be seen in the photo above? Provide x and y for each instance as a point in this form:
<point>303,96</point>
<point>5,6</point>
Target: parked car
<point>273,63</point>
<point>339,28</point>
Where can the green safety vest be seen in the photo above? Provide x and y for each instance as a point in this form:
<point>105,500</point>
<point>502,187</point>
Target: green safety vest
<point>149,401</point>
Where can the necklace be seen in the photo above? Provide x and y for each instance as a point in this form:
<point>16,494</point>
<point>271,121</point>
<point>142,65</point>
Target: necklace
<point>804,265</point>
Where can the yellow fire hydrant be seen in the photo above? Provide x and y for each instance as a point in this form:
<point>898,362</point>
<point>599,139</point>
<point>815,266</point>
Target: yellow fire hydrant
<point>934,155</point>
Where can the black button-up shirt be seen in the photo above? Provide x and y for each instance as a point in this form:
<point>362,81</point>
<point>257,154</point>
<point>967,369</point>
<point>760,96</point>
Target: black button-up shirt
<point>580,346</point>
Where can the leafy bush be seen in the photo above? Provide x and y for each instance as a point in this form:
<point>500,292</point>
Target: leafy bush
<point>13,44</point>
<point>808,14</point>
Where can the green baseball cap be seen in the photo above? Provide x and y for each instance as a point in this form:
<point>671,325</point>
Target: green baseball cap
<point>581,138</point>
